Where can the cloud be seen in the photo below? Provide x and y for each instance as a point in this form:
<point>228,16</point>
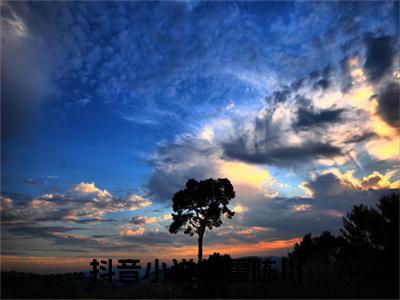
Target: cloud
<point>301,207</point>
<point>193,157</point>
<point>167,217</point>
<point>271,138</point>
<point>308,118</point>
<point>141,220</point>
<point>326,185</point>
<point>6,203</point>
<point>389,104</point>
<point>251,230</point>
<point>129,232</point>
<point>379,57</point>
<point>280,156</point>
<point>281,95</point>
<point>331,194</point>
<point>29,230</point>
<point>95,221</point>
<point>361,137</point>
<point>174,163</point>
<point>290,217</point>
<point>333,183</point>
<point>244,174</point>
<point>60,238</point>
<point>90,189</point>
<point>136,202</point>
<point>84,203</point>
<point>377,181</point>
<point>337,124</point>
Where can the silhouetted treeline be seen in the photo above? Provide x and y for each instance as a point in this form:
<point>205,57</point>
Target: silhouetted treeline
<point>366,250</point>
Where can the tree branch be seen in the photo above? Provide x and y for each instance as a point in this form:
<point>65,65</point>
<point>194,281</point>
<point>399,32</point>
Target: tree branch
<point>195,226</point>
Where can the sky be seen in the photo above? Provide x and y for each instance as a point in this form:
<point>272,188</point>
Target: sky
<point>108,108</point>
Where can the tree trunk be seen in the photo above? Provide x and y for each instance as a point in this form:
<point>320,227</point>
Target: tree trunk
<point>200,251</point>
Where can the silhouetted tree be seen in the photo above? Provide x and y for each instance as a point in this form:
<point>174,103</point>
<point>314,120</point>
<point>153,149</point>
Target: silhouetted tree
<point>366,231</point>
<point>200,205</point>
<point>374,229</point>
<point>372,235</point>
<point>326,245</point>
<point>217,257</point>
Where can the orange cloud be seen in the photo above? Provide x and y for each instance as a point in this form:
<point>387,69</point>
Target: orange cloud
<point>126,231</point>
<point>137,202</point>
<point>90,188</point>
<point>374,181</point>
<point>251,230</point>
<point>377,181</point>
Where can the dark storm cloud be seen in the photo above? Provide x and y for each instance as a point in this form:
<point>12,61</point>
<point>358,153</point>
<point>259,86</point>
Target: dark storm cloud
<point>307,118</point>
<point>322,83</point>
<point>389,103</point>
<point>95,220</point>
<point>327,185</point>
<point>379,57</point>
<point>279,156</point>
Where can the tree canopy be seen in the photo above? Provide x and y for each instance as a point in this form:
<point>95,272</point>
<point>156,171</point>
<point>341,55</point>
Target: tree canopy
<point>200,205</point>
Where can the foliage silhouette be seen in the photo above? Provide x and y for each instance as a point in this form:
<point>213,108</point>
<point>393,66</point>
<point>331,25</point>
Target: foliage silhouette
<point>367,250</point>
<point>326,245</point>
<point>199,206</point>
<point>374,229</point>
